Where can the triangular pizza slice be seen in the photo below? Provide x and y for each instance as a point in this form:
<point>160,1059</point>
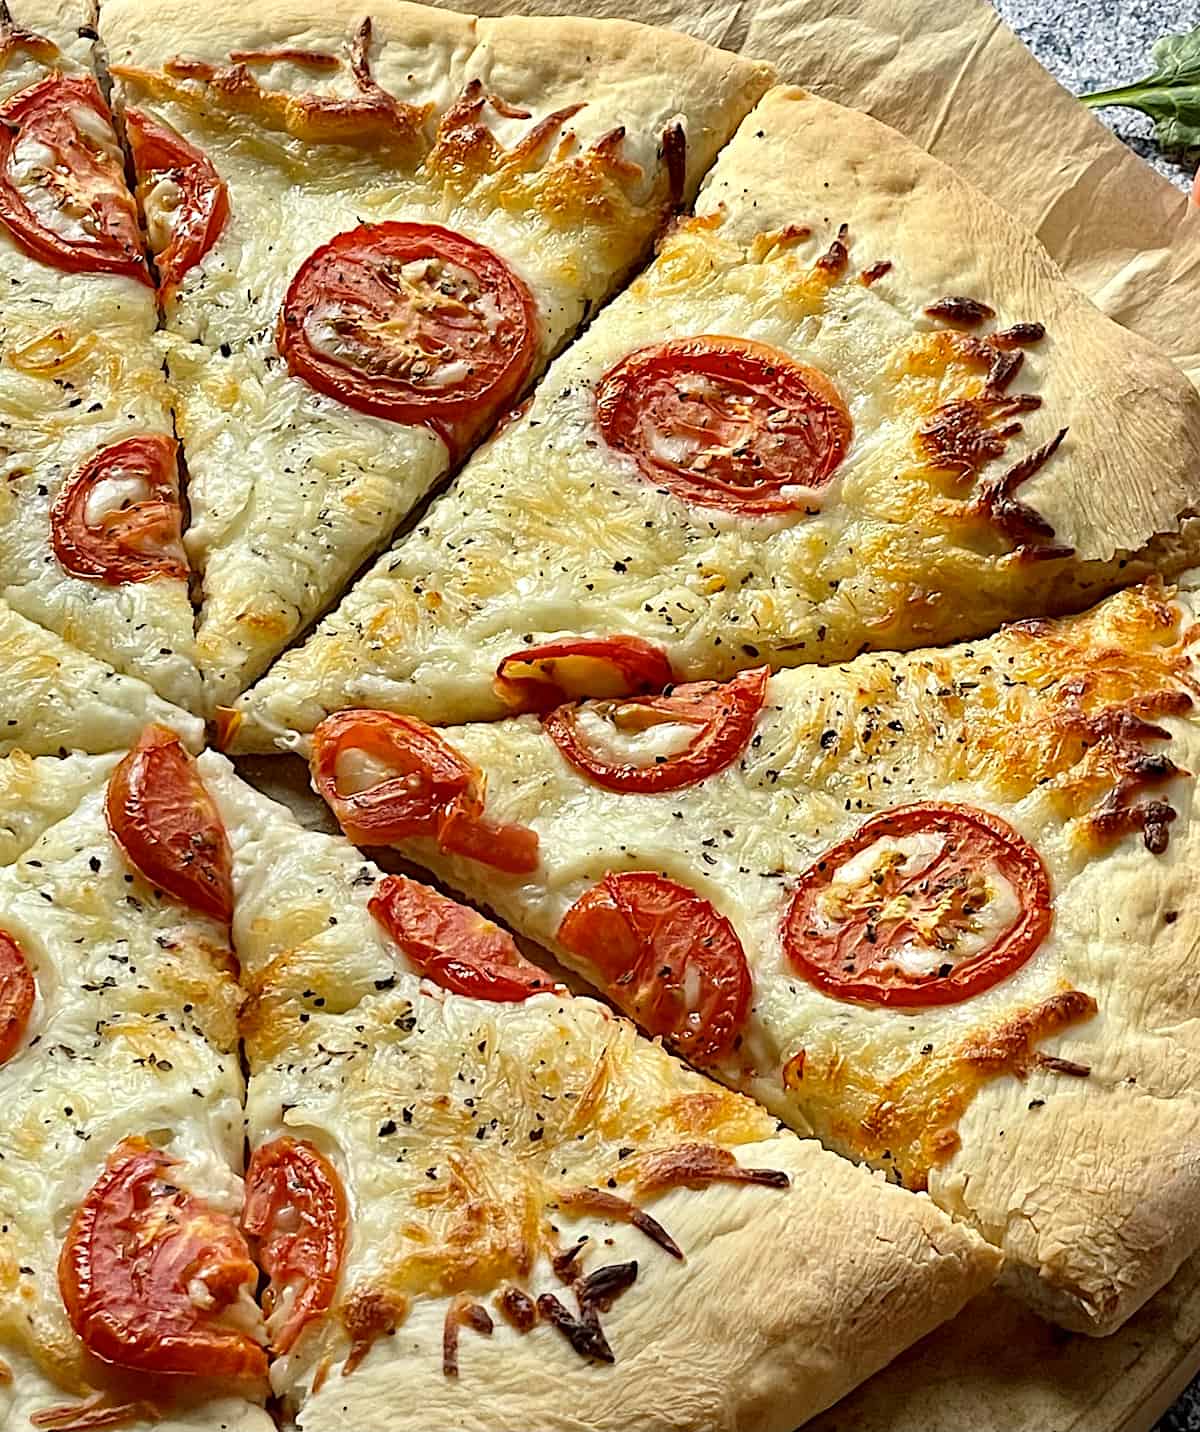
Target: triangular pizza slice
<point>852,404</point>
<point>938,908</point>
<point>482,1203</point>
<point>126,1285</point>
<point>54,698</point>
<point>90,510</point>
<point>374,223</point>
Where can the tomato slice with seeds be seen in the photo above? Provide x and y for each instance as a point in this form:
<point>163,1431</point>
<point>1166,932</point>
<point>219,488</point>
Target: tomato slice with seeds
<point>17,992</point>
<point>723,422</point>
<point>542,677</point>
<point>411,322</point>
<point>923,905</point>
<point>184,199</point>
<point>671,741</point>
<point>455,946</point>
<point>148,1269</point>
<point>165,821</point>
<point>389,778</point>
<point>119,518</point>
<point>295,1209</point>
<point>62,180</point>
<point>666,957</point>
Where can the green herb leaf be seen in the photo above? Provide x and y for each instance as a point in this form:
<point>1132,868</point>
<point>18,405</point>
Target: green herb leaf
<point>1170,96</point>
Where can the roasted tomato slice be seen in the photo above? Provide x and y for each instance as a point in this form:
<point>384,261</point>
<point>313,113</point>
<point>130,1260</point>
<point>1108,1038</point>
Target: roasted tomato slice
<point>389,778</point>
<point>453,945</point>
<point>410,322</point>
<point>542,677</point>
<point>119,519</point>
<point>667,958</point>
<point>17,991</point>
<point>723,422</point>
<point>184,199</point>
<point>62,180</point>
<point>168,825</point>
<point>922,905</point>
<point>148,1270</point>
<point>296,1211</point>
<point>661,743</point>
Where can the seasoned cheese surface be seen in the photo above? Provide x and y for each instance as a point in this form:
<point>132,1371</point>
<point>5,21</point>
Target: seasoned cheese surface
<point>557,163</point>
<point>1041,726</point>
<point>951,510</point>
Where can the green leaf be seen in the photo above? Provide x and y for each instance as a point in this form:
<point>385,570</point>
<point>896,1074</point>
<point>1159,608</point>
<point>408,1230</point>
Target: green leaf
<point>1170,96</point>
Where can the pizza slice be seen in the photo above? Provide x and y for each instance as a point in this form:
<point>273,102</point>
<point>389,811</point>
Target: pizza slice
<point>851,405</point>
<point>482,1203</point>
<point>126,1285</point>
<point>90,510</point>
<point>373,224</point>
<point>936,908</point>
<point>55,698</point>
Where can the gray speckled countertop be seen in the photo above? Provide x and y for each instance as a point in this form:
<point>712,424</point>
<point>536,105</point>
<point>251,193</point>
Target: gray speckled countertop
<point>1089,45</point>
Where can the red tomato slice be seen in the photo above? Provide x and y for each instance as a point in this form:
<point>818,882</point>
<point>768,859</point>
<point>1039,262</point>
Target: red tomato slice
<point>723,422</point>
<point>542,677</point>
<point>17,991</point>
<point>413,783</point>
<point>723,716</point>
<point>62,180</point>
<point>410,322</point>
<point>198,204</point>
<point>168,825</point>
<point>667,958</point>
<point>909,928</point>
<point>119,518</point>
<point>147,1269</point>
<point>296,1210</point>
<point>454,945</point>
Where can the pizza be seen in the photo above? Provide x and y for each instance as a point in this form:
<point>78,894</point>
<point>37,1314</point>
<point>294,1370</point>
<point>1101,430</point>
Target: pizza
<point>513,1210</point>
<point>934,908</point>
<point>372,225</point>
<point>90,512</point>
<point>850,405</point>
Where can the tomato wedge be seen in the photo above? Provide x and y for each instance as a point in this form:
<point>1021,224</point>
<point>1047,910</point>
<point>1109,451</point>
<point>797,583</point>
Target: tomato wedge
<point>296,1210</point>
<point>542,677</point>
<point>119,518</point>
<point>454,945</point>
<point>923,905</point>
<point>410,322</point>
<point>62,180</point>
<point>410,782</point>
<point>147,1269</point>
<point>168,825</point>
<point>722,716</point>
<point>17,992</point>
<point>184,199</point>
<point>723,422</point>
<point>666,957</point>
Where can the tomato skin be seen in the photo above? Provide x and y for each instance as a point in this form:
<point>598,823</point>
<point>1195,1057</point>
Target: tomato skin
<point>758,421</point>
<point>168,825</point>
<point>436,791</point>
<point>357,281</point>
<point>650,938</point>
<point>42,112</point>
<point>454,946</point>
<point>295,1208</point>
<point>134,543</point>
<point>971,837</point>
<point>723,715</point>
<point>159,153</point>
<point>636,667</point>
<point>136,1243</point>
<point>17,993</point>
